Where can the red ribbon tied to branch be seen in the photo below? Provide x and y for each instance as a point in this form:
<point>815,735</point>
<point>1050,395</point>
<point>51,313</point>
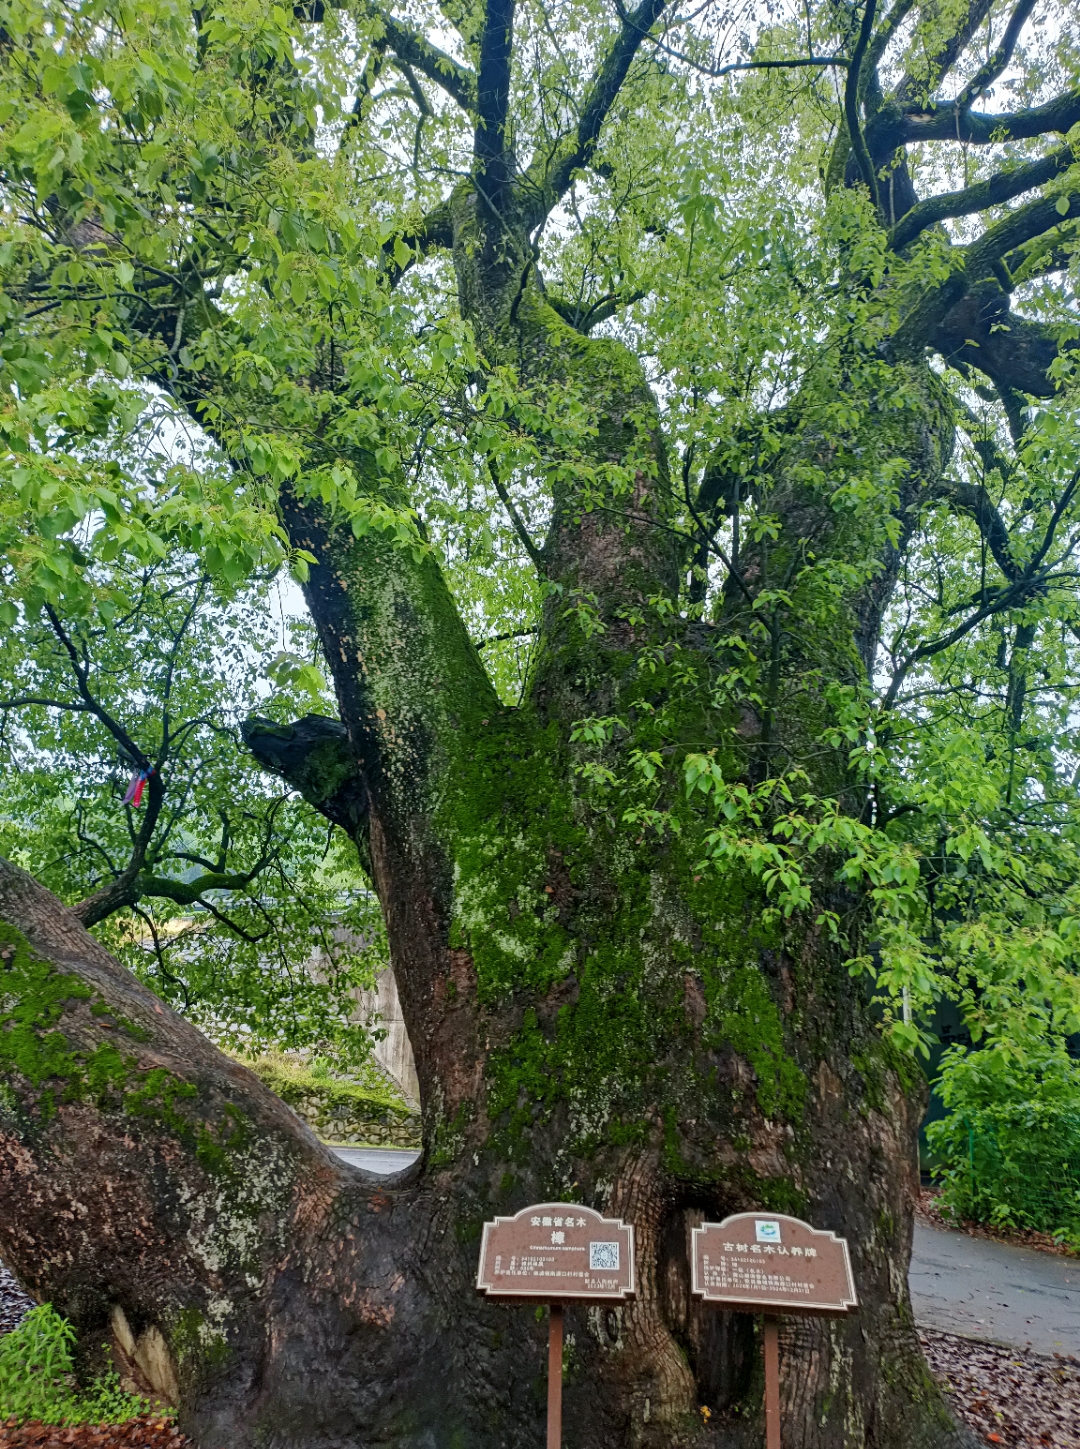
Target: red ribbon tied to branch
<point>138,785</point>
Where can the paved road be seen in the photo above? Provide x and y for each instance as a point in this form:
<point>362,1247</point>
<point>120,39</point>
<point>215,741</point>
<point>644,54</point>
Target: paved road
<point>968,1286</point>
<point>378,1159</point>
<point>981,1289</point>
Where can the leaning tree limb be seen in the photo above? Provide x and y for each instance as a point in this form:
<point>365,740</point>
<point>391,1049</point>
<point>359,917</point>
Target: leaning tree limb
<point>949,122</point>
<point>414,48</point>
<point>852,92</point>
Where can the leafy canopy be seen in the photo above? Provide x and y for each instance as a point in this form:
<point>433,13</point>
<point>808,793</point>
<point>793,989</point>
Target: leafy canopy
<point>239,214</point>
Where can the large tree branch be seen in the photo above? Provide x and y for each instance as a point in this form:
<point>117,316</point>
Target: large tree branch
<point>314,755</point>
<point>1020,226</point>
<point>949,122</point>
<point>410,46</point>
<point>1043,255</point>
<point>941,63</point>
<point>554,179</point>
<point>852,91</point>
<point>994,191</point>
<point>988,73</point>
<point>880,42</point>
<point>976,263</point>
<point>190,893</point>
<point>490,142</point>
<point>975,501</point>
<point>1014,352</point>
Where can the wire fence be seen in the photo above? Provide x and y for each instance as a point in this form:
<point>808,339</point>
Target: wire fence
<point>1012,1168</point>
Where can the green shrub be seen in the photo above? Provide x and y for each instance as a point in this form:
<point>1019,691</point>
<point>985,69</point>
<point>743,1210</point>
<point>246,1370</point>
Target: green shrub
<point>37,1380</point>
<point>1008,1152</point>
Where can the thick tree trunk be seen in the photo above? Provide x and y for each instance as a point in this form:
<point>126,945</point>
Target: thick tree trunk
<point>592,1018</point>
<point>300,1301</point>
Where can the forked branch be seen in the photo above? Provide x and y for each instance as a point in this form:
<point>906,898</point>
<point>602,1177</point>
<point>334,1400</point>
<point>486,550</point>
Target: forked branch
<point>601,95</point>
<point>979,262</point>
<point>410,46</point>
<point>988,73</point>
<point>949,53</point>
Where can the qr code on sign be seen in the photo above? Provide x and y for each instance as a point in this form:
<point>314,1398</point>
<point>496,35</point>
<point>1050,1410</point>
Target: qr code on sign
<point>603,1256</point>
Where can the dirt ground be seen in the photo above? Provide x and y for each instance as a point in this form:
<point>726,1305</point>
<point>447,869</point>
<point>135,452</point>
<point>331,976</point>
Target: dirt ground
<point>145,1433</point>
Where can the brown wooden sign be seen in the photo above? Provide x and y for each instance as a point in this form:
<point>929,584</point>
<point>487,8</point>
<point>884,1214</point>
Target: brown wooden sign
<point>768,1262</point>
<point>557,1250</point>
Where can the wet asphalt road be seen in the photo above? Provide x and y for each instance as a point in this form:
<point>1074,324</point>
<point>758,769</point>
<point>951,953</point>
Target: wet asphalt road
<point>981,1289</point>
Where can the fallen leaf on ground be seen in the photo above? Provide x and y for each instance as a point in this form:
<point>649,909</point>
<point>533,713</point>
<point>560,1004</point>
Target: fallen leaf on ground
<point>1009,1397</point>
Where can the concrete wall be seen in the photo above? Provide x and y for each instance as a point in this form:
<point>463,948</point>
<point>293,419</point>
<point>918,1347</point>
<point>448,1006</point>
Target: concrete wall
<point>381,1008</point>
<point>394,1053</point>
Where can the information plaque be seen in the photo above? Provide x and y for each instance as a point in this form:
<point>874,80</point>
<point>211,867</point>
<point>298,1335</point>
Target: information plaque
<point>555,1251</point>
<point>771,1263</point>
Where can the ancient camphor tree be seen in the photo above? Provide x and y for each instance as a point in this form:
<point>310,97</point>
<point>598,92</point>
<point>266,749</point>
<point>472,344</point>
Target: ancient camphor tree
<point>531,317</point>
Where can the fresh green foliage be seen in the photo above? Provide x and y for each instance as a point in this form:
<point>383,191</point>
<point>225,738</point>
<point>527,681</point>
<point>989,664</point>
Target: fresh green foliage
<point>290,1077</point>
<point>1008,1151</point>
<point>223,219</point>
<point>37,1379</point>
<point>239,908</point>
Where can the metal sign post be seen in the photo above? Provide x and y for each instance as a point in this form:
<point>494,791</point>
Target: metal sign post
<point>772,1263</point>
<point>557,1251</point>
<point>772,1382</point>
<point>554,1422</point>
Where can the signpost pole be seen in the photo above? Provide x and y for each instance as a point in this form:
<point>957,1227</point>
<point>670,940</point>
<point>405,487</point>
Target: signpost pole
<point>554,1415</point>
<point>772,1383</point>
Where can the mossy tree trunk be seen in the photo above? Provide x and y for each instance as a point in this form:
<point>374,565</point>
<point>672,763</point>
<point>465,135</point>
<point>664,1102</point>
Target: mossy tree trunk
<point>592,1016</point>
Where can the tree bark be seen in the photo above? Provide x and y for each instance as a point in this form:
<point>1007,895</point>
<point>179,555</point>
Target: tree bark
<point>301,1300</point>
<point>591,1019</point>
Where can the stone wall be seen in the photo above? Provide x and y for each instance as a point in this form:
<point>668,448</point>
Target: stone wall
<point>342,1113</point>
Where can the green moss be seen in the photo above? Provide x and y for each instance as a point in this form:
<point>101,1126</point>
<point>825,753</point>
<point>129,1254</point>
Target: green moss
<point>743,1013</point>
<point>218,1151</point>
<point>553,901</point>
<point>34,996</point>
<point>192,1337</point>
<point>449,1136</point>
<point>127,1026</point>
<point>871,1069</point>
<point>155,1101</point>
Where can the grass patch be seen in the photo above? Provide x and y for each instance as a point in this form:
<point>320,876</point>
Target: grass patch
<point>291,1076</point>
<point>37,1378</point>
